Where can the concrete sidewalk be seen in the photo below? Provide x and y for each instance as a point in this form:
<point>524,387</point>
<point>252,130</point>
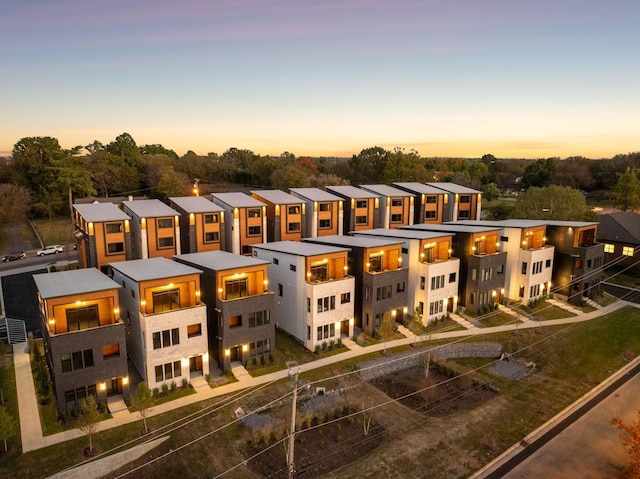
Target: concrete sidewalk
<point>31,431</point>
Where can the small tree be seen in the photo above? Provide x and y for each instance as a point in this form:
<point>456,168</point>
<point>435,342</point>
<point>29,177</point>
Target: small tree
<point>142,401</point>
<point>630,437</point>
<point>387,329</point>
<point>416,325</point>
<point>88,418</point>
<point>8,426</point>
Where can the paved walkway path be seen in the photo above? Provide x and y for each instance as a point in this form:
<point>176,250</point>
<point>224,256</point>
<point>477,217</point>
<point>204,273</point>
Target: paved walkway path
<point>32,437</point>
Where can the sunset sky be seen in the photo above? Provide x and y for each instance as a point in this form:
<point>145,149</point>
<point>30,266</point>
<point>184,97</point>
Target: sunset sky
<point>462,78</point>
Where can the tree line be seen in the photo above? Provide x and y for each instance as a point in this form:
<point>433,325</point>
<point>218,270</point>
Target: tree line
<point>41,178</point>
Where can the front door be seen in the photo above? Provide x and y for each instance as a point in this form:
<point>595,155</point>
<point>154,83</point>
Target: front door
<point>195,364</point>
<point>344,327</point>
<point>114,386</point>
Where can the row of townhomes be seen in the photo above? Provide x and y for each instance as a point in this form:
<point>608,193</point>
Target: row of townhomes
<point>188,287</point>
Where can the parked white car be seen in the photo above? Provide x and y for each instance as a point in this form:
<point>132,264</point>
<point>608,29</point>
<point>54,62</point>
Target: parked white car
<point>51,249</point>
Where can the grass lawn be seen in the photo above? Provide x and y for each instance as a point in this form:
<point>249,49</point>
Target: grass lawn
<point>497,318</point>
<point>544,311</point>
<point>10,397</point>
<point>55,231</point>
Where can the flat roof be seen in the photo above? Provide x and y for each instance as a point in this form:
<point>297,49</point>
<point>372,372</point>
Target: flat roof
<point>149,208</point>
<point>348,191</point>
<point>298,248</point>
<point>100,212</point>
<point>525,223</point>
<point>353,241</point>
<point>385,190</point>
<point>72,282</point>
<point>237,200</point>
<point>404,234</point>
<point>453,228</point>
<point>315,194</point>
<point>454,188</point>
<point>152,268</point>
<point>196,204</point>
<point>420,188</point>
<point>277,197</point>
<point>219,260</point>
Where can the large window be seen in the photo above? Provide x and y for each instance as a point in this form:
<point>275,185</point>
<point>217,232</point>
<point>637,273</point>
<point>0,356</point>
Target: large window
<point>432,199</point>
<point>324,206</point>
<point>112,228</point>
<point>361,203</point>
<point>609,248</point>
<point>345,298</point>
<point>383,292</point>
<point>430,215</point>
<point>429,254</point>
<point>83,318</point>
<point>259,318</point>
<point>164,223</point>
<point>463,214</point>
<point>375,264</point>
<point>166,300</point>
<point>327,331</point>
<point>165,242</point>
<point>627,251</point>
<point>396,201</point>
<point>211,237</point>
<point>236,288</point>
<point>293,227</point>
<point>235,321</point>
<point>168,371</point>
<point>396,218</point>
<point>111,351</point>
<point>194,330</point>
<point>326,304</point>
<point>254,230</point>
<point>166,338</point>
<point>437,282</point>
<point>361,220</point>
<point>253,213</point>
<point>74,397</point>
<point>115,248</point>
<point>76,360</point>
<point>465,199</point>
<point>294,210</point>
<point>319,272</point>
<point>210,218</point>
<point>324,224</point>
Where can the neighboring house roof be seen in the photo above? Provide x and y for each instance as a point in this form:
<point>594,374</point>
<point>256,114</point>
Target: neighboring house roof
<point>453,188</point>
<point>100,212</point>
<point>385,190</point>
<point>524,223</point>
<point>149,208</point>
<point>350,192</point>
<point>152,268</point>
<point>353,241</point>
<point>298,248</point>
<point>404,234</point>
<point>420,188</point>
<point>196,204</point>
<point>72,282</point>
<point>220,260</point>
<point>237,200</point>
<point>315,194</point>
<point>277,197</point>
<point>620,227</point>
<point>452,227</point>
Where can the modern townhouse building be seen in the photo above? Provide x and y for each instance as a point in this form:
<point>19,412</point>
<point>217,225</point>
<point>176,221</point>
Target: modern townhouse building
<point>245,221</point>
<point>318,297</point>
<point>103,235</point>
<point>396,206</point>
<point>165,320</point>
<point>380,278</point>
<point>432,287</point>
<point>429,202</point>
<point>620,234</point>
<point>462,203</point>
<point>84,337</point>
<point>578,258</point>
<point>361,208</point>
<point>201,224</point>
<point>155,229</point>
<point>482,264</point>
<point>239,305</point>
<point>529,268</point>
<point>285,214</point>
<point>324,215</point>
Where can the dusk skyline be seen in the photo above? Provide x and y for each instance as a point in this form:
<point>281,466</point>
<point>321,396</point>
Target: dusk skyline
<point>326,78</point>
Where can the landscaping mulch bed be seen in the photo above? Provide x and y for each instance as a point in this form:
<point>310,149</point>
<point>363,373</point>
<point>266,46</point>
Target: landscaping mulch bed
<point>438,395</point>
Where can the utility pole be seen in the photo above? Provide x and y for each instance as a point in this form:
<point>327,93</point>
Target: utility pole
<point>292,431</point>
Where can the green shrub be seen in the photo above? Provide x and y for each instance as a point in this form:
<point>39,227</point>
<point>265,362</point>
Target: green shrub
<point>185,383</point>
<point>156,392</point>
<point>165,388</point>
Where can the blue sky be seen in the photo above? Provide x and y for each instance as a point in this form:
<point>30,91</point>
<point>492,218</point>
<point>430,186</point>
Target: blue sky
<point>515,78</point>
